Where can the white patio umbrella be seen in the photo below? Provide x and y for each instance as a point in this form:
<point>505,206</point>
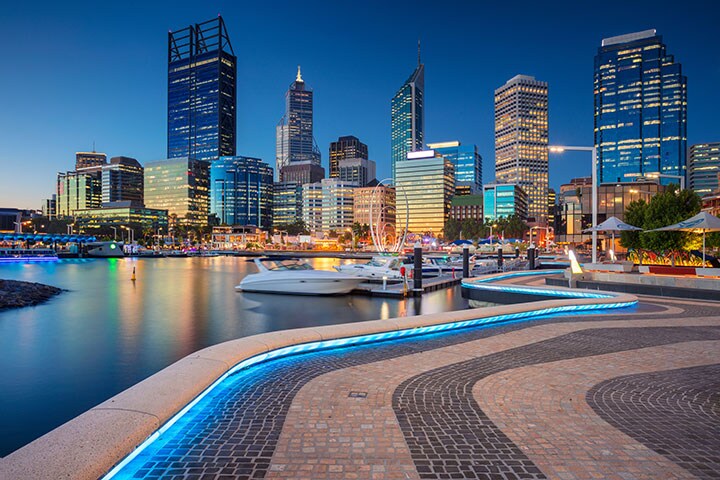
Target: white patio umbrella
<point>703,222</point>
<point>612,225</point>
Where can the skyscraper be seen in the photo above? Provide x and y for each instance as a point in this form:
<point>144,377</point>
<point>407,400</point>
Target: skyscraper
<point>407,117</point>
<point>295,143</point>
<point>359,171</point>
<point>704,167</point>
<point>76,191</point>
<point>202,71</point>
<point>122,180</point>
<point>344,148</point>
<point>468,165</point>
<point>521,140</point>
<point>241,191</point>
<point>640,109</point>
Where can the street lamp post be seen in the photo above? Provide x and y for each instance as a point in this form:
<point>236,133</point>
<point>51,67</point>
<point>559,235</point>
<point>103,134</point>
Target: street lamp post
<point>667,175</point>
<point>593,150</point>
<point>114,233</point>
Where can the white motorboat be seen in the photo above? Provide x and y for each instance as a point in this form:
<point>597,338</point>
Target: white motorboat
<point>105,249</point>
<point>378,267</point>
<point>446,263</point>
<point>286,275</point>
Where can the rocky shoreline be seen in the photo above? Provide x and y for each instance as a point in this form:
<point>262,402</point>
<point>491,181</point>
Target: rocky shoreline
<point>16,294</point>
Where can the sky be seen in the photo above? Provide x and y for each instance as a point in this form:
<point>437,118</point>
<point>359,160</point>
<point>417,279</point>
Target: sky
<point>78,72</point>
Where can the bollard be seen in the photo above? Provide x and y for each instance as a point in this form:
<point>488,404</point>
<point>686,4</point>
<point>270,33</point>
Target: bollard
<point>517,252</point>
<point>500,258</point>
<point>531,257</point>
<point>133,275</point>
<point>384,282</point>
<point>417,279</point>
<point>466,262</point>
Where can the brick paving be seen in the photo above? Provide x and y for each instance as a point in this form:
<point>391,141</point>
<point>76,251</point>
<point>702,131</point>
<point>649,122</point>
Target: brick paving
<point>676,413</point>
<point>259,425</point>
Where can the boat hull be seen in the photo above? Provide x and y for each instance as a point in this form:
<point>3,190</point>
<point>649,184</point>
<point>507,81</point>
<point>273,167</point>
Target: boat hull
<point>300,286</point>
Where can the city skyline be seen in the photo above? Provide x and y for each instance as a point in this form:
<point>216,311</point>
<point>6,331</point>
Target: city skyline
<point>458,106</point>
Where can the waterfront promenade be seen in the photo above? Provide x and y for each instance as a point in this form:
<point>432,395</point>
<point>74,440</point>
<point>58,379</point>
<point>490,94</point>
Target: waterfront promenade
<point>628,394</point>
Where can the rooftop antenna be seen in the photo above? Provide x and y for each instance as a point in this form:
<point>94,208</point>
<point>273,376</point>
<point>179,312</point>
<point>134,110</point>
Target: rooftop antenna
<point>299,77</point>
<point>93,146</point>
<point>418,52</point>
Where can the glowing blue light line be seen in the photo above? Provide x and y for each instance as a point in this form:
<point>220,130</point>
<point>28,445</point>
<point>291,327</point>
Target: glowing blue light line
<point>364,339</point>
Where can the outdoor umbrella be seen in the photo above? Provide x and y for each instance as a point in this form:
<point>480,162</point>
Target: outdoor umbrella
<point>703,222</point>
<point>612,225</point>
<point>461,242</point>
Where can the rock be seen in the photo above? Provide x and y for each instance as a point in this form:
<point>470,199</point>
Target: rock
<point>16,294</point>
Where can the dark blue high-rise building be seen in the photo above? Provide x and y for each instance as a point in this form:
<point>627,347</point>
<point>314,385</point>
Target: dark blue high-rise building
<point>241,191</point>
<point>640,109</point>
<point>202,72</point>
<point>407,117</point>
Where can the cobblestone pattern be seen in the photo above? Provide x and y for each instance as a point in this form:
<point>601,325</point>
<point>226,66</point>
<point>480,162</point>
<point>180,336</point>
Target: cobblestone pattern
<point>233,432</point>
<point>676,413</point>
<point>449,436</point>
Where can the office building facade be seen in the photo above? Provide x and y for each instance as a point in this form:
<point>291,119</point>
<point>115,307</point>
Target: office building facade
<point>521,141</point>
<point>378,201</point>
<point>49,206</point>
<point>704,168</point>
<point>302,172</point>
<point>180,186</point>
<point>287,203</point>
<point>122,214</point>
<point>89,159</point>
<point>77,191</point>
<point>295,142</point>
<point>407,118</point>
<point>640,109</point>
<point>202,97</point>
<point>241,190</point>
<point>426,179</point>
<point>123,180</point>
<point>503,200</point>
<point>468,165</point>
<point>312,206</point>
<point>344,148</point>
<point>337,205</point>
<point>358,171</point>
<point>467,207</point>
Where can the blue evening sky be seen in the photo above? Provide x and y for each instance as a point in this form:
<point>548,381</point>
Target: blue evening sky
<point>78,72</point>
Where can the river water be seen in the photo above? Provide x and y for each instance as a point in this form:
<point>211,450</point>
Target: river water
<point>107,333</point>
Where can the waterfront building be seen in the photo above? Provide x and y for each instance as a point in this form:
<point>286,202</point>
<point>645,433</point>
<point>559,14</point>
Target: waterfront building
<point>123,180</point>
<point>344,148</point>
<point>407,118</point>
<point>337,205</point>
<point>236,237</point>
<point>711,203</point>
<point>467,207</point>
<point>49,206</point>
<point>180,186</point>
<point>704,168</point>
<point>574,212</point>
<point>302,172</point>
<point>202,97</point>
<point>382,200</point>
<point>640,109</point>
<point>287,203</point>
<point>505,200</point>
<point>295,142</point>
<point>122,214</point>
<point>241,191</point>
<point>312,205</point>
<point>521,141</point>
<point>427,180</point>
<point>359,171</point>
<point>77,191</point>
<point>11,220</point>
<point>468,165</point>
<point>89,159</point>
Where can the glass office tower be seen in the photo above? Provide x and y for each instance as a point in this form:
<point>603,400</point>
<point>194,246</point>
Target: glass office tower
<point>427,179</point>
<point>640,109</point>
<point>521,141</point>
<point>505,200</point>
<point>123,180</point>
<point>287,203</point>
<point>180,186</point>
<point>295,143</point>
<point>241,191</point>
<point>344,148</point>
<point>202,71</point>
<point>704,168</point>
<point>407,117</point>
<point>468,165</point>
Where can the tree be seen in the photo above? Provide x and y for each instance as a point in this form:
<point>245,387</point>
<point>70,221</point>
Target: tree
<point>452,229</point>
<point>298,227</point>
<point>634,215</point>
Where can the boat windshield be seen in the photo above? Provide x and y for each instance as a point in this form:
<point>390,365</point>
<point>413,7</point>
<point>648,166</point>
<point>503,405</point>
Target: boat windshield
<point>279,265</point>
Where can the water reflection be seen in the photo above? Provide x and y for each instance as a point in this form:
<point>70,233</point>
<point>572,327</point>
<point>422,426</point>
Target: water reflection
<point>107,332</point>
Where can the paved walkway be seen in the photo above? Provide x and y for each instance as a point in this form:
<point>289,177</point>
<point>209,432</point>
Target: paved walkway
<point>623,395</point>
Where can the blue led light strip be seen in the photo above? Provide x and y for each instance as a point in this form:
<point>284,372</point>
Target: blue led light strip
<point>365,339</point>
